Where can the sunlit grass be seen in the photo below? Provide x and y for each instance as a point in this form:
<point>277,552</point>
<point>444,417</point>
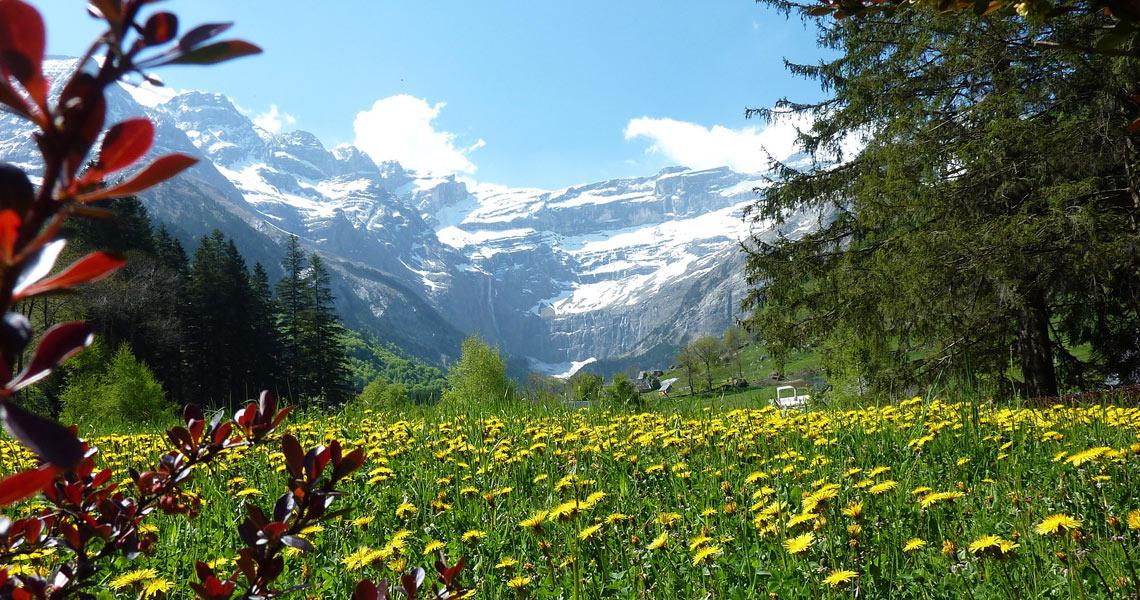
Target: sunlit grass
<point>916,500</point>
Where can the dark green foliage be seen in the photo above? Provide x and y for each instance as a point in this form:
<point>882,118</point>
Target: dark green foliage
<point>220,329</point>
<point>987,226</point>
<point>290,318</point>
<point>313,359</point>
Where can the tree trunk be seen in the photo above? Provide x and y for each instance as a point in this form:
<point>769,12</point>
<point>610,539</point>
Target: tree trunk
<point>1035,347</point>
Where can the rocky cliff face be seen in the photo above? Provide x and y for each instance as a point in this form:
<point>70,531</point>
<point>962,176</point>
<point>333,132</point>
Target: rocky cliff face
<point>561,277</point>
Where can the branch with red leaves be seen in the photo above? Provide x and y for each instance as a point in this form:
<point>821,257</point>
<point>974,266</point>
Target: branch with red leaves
<point>88,515</point>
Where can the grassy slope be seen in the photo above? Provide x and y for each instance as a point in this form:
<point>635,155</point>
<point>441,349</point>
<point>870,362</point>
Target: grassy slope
<point>757,366</point>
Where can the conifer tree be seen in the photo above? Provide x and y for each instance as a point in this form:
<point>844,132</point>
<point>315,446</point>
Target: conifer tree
<point>327,358</point>
<point>975,205</point>
<point>263,346</point>
<point>290,305</point>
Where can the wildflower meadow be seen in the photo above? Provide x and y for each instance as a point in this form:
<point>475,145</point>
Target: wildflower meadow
<point>923,499</point>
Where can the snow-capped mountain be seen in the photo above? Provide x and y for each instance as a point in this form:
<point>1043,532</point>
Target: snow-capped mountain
<point>620,268</point>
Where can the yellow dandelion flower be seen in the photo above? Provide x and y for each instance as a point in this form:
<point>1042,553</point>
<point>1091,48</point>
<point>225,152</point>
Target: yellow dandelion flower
<point>841,577</point>
<point>992,544</point>
<point>668,519</point>
<point>362,557</point>
<point>616,518</point>
<point>518,583</point>
<point>249,491</point>
<point>474,535</point>
<point>705,554</point>
<point>1134,520</point>
<point>1089,455</point>
<point>1058,523</point>
<point>588,532</point>
<point>364,521</point>
<point>432,546</point>
<point>506,563</point>
<point>935,497</point>
<point>800,543</point>
<point>131,578</point>
<point>914,544</point>
<point>154,587</point>
<point>884,487</point>
<point>659,541</point>
<point>535,521</point>
<point>406,509</point>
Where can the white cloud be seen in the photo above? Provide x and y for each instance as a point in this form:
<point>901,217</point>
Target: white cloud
<point>400,128</point>
<point>274,119</point>
<point>700,147</point>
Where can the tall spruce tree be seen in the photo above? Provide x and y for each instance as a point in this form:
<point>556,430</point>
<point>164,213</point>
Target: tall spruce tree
<point>221,324</point>
<point>263,346</point>
<point>987,223</point>
<point>290,304</point>
<point>328,375</point>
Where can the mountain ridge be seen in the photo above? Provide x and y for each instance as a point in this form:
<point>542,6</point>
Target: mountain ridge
<point>562,278</point>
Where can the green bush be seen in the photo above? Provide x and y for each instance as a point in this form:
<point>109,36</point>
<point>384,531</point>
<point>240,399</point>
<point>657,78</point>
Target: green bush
<point>622,392</point>
<point>479,377</point>
<point>124,391</point>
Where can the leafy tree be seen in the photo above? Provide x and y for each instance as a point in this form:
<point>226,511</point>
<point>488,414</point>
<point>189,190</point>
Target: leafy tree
<point>479,376</point>
<point>688,361</point>
<point>734,341</point>
<point>986,213</point>
<point>708,351</point>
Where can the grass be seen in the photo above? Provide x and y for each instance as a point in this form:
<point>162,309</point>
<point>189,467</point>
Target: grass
<point>718,498</point>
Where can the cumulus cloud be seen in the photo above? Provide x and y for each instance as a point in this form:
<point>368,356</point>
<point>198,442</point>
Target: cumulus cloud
<point>699,147</point>
<point>401,128</point>
<point>274,119</point>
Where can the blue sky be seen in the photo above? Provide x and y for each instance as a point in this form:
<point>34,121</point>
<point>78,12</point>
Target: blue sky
<point>536,94</point>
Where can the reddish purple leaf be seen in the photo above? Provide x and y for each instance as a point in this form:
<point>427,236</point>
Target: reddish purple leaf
<point>294,457</point>
<point>83,110</point>
<point>38,265</point>
<point>201,33</point>
<point>411,582</point>
<point>215,53</point>
<point>155,173</point>
<point>160,28</point>
<point>58,344</point>
<point>366,590</point>
<point>16,188</point>
<point>266,404</point>
<point>26,484</point>
<point>49,440</point>
<point>124,144</point>
<point>9,231</point>
<point>22,45</point>
<point>109,10</point>
<point>89,269</point>
<point>297,542</point>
